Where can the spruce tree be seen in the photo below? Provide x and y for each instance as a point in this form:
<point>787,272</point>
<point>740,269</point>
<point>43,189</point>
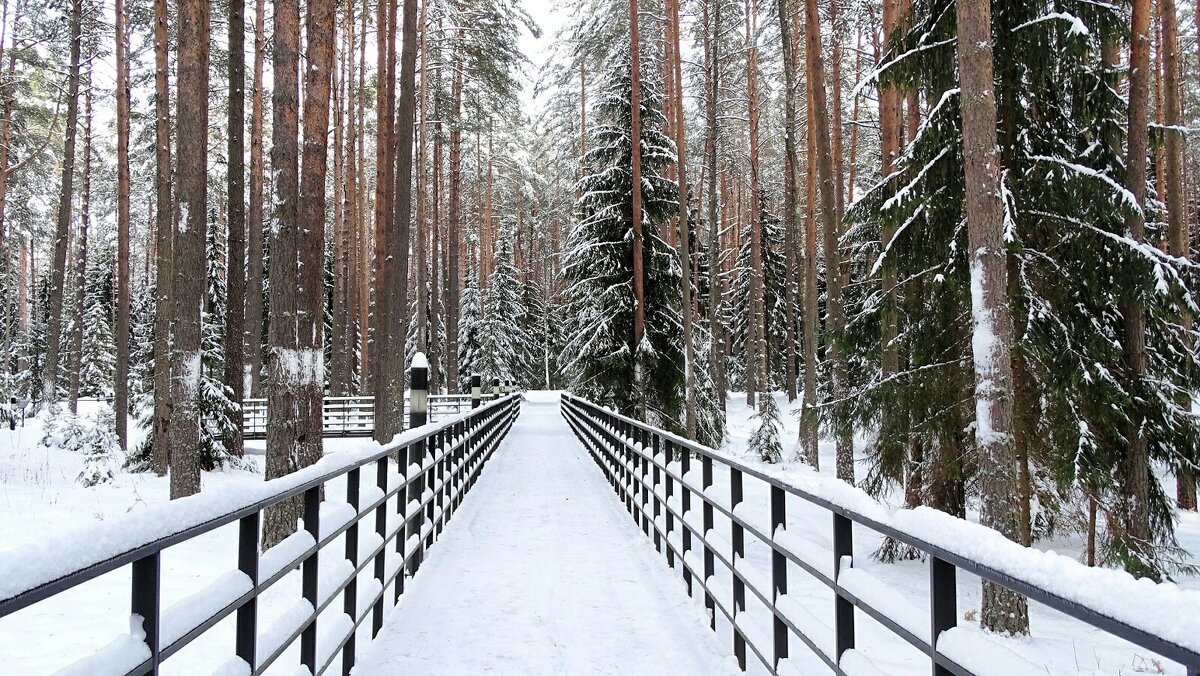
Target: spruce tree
<point>470,338</point>
<point>98,363</point>
<point>600,356</point>
<point>502,344</point>
<point>764,443</point>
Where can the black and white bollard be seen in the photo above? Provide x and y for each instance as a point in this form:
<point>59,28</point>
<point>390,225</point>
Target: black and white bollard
<point>476,390</point>
<point>418,378</point>
<point>496,388</point>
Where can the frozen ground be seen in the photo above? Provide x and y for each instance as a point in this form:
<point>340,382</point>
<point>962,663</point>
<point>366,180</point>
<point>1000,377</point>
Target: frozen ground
<point>505,543</point>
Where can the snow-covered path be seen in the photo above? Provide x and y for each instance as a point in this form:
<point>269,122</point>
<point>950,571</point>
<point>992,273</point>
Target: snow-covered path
<point>541,572</point>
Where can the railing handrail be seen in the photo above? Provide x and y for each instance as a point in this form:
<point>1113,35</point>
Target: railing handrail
<point>1149,636</point>
<point>277,490</point>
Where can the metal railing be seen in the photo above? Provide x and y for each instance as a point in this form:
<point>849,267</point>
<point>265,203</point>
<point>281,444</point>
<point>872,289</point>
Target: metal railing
<point>351,416</point>
<point>637,458</point>
<point>433,470</point>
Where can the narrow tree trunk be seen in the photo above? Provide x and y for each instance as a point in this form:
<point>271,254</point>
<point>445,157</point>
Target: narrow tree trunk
<point>809,419</point>
<point>790,187</point>
<point>830,210</point>
<point>187,293</point>
<point>756,356</point>
<point>712,58</point>
<point>235,308</point>
<point>164,217</point>
<point>58,275</point>
<point>635,135</point>
<point>75,358</point>
<point>121,386</point>
<point>282,409</point>
<point>455,221</point>
<point>310,273</point>
<point>1177,226</point>
<point>1003,610</point>
<point>685,254</point>
<point>384,222</point>
<point>255,252</point>
<point>1136,467</point>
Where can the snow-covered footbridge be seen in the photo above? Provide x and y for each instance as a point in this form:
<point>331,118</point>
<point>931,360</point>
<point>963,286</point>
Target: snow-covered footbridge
<point>492,542</point>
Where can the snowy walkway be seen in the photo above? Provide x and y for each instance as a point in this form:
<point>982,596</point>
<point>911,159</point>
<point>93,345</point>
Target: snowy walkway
<point>541,572</point>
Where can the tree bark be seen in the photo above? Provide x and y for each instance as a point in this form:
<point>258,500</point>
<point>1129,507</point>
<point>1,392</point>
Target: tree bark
<point>187,293</point>
<point>685,254</point>
<point>164,231</point>
<point>635,135</point>
<point>58,275</point>
<point>830,215</point>
<point>75,359</point>
<point>385,45</point>
<point>254,252</point>
<point>1177,226</point>
<point>121,386</point>
<point>790,187</point>
<point>809,419</point>
<point>1004,611</point>
<point>310,273</point>
<point>1136,510</point>
<point>235,307</point>
<point>405,127</point>
<point>454,225</point>
<point>716,251</point>
<point>282,410</point>
<point>756,356</point>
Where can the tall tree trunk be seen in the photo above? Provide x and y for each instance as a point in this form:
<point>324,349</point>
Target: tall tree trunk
<point>385,45</point>
<point>187,292</point>
<point>255,253</point>
<point>1177,216</point>
<point>282,410</point>
<point>685,253</point>
<point>1136,467</point>
<point>421,239</point>
<point>1003,610</point>
<point>790,187</point>
<point>235,307</point>
<point>830,210</point>
<point>716,251</point>
<point>164,238</point>
<point>343,327</point>
<point>362,277</point>
<point>310,273</point>
<point>756,357</point>
<point>121,386</point>
<point>455,220</point>
<point>635,135</point>
<point>58,275</point>
<point>809,419</point>
<point>405,127</point>
<point>75,358</point>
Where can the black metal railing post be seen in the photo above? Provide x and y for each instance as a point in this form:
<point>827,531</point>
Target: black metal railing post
<point>778,571</point>
<point>656,478</point>
<point>381,531</point>
<point>350,595</point>
<point>943,606</point>
<point>706,482</point>
<point>738,537</point>
<point>247,615</point>
<point>668,453</point>
<point>843,611</point>
<point>685,507</point>
<point>146,602</point>
<point>309,574</point>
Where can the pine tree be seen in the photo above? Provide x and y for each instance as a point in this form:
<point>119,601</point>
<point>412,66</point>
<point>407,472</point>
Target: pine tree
<point>774,264</point>
<point>219,412</point>
<point>600,356</point>
<point>98,364</point>
<point>100,447</point>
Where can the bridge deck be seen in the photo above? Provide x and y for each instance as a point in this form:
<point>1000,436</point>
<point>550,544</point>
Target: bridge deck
<point>541,572</point>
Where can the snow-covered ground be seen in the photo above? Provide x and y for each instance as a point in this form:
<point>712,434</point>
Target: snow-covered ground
<point>40,500</point>
<point>1058,644</point>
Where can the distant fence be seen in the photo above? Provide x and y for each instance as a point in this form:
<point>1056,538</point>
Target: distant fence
<point>649,469</point>
<point>420,480</point>
<point>351,416</point>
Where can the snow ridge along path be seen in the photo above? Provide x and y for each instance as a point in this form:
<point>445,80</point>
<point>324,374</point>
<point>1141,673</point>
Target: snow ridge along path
<point>541,572</point>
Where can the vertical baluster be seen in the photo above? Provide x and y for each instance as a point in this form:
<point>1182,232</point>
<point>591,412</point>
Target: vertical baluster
<point>709,559</point>
<point>738,536</point>
<point>843,611</point>
<point>647,491</point>
<point>308,577</point>
<point>350,595</point>
<point>685,507</point>
<point>943,606</point>
<point>668,453</point>
<point>247,615</point>
<point>145,601</point>
<point>656,478</point>
<point>382,531</point>
<point>430,483</point>
<point>778,569</point>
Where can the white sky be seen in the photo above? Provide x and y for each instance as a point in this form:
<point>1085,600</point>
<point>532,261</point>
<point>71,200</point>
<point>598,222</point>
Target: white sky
<point>549,15</point>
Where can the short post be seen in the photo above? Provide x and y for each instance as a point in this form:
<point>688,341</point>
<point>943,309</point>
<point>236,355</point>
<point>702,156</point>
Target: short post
<point>418,376</point>
<point>476,390</point>
<point>496,387</point>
